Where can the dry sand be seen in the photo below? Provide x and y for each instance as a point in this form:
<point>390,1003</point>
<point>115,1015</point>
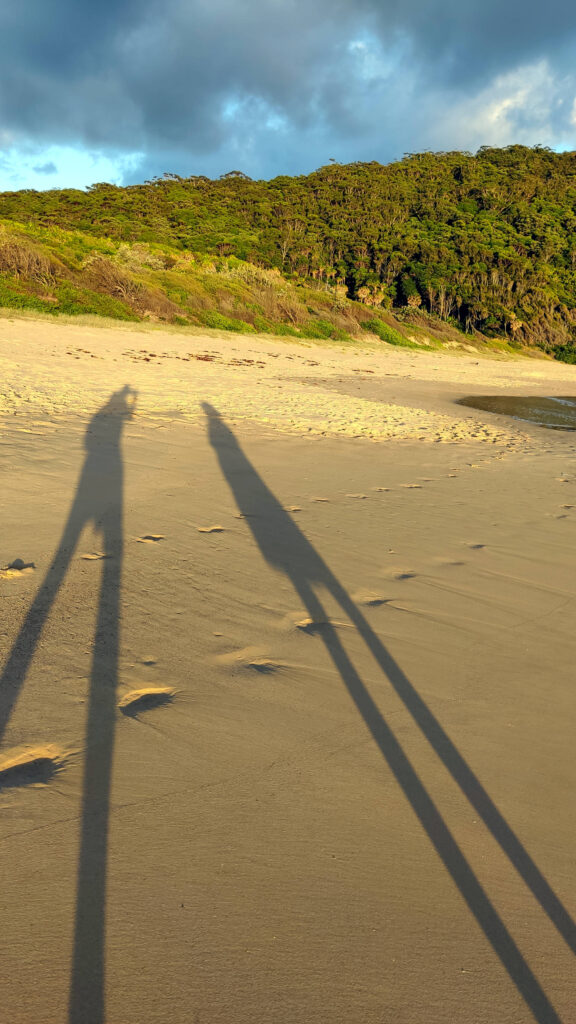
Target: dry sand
<point>287,700</point>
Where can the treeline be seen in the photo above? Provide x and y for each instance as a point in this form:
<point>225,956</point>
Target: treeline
<point>486,242</point>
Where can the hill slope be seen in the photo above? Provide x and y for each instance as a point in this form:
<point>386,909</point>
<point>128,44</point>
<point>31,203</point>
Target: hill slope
<point>485,243</point>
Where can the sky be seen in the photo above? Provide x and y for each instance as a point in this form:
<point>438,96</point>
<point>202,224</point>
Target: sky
<point>124,90</point>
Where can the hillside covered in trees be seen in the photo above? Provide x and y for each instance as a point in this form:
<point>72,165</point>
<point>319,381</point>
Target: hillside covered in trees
<point>485,243</point>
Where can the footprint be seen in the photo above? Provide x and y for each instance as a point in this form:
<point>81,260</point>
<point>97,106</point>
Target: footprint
<point>94,556</point>
<point>356,495</point>
<point>30,767</point>
<point>313,626</point>
<point>369,599</point>
<point>452,474</point>
<point>379,488</point>
<point>148,660</point>
<point>568,506</point>
<point>320,499</point>
<point>150,538</point>
<point>250,657</point>
<point>145,699</point>
<point>16,569</point>
<point>294,508</point>
<point>476,547</point>
<point>211,529</point>
<point>408,575</point>
<point>412,486</point>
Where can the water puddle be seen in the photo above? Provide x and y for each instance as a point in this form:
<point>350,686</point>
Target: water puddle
<point>556,413</point>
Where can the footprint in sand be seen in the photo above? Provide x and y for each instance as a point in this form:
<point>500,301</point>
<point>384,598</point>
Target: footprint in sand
<point>356,495</point>
<point>407,574</point>
<point>476,547</point>
<point>31,766</point>
<point>94,556</point>
<point>150,538</point>
<point>17,569</point>
<point>320,499</point>
<point>313,626</point>
<point>380,488</point>
<point>369,599</point>
<point>148,660</point>
<point>211,529</point>
<point>412,487</point>
<point>293,508</point>
<point>145,699</point>
<point>251,658</point>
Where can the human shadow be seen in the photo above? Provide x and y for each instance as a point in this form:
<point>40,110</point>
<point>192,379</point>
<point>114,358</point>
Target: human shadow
<point>98,501</point>
<point>284,546</point>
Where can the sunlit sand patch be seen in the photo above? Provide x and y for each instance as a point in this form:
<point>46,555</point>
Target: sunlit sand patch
<point>150,538</point>
<point>30,766</point>
<point>211,529</point>
<point>17,569</point>
<point>145,699</point>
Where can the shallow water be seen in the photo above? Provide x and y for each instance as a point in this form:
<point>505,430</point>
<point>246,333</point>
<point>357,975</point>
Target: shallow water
<point>558,413</point>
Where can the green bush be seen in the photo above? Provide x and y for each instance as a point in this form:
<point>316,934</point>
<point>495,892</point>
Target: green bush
<point>565,353</point>
<point>13,299</point>
<point>224,323</point>
<point>387,333</point>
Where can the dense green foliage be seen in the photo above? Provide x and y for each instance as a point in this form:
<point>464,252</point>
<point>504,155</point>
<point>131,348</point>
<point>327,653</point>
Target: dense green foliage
<point>486,242</point>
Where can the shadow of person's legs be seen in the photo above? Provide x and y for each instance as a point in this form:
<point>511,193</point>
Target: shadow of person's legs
<point>284,545</point>
<point>98,500</point>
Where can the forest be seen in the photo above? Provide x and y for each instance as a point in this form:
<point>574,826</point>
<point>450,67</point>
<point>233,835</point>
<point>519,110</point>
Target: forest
<point>484,243</point>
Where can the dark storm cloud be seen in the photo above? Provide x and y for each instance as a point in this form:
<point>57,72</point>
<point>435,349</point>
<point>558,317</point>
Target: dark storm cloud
<point>282,83</point>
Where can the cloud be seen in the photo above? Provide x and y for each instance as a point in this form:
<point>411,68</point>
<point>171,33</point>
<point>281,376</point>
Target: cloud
<point>48,168</point>
<point>282,85</point>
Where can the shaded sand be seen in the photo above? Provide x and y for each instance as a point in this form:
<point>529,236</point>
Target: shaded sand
<point>359,808</point>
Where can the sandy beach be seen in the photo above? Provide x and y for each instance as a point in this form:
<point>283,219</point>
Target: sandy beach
<point>287,693</point>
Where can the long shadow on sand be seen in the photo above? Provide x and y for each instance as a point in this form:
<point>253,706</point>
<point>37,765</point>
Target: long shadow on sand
<point>284,546</point>
<point>99,501</point>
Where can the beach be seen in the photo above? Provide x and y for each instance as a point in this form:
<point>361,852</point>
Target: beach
<point>287,697</point>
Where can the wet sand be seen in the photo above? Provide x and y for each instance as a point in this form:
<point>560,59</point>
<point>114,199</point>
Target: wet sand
<point>287,699</point>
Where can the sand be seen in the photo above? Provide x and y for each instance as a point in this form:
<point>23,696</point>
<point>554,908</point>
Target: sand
<point>287,694</point>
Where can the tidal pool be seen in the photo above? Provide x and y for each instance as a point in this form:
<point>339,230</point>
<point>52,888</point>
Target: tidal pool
<point>558,413</point>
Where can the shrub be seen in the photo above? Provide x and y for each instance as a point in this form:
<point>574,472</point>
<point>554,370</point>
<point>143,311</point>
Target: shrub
<point>565,353</point>
<point>224,323</point>
<point>387,333</point>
